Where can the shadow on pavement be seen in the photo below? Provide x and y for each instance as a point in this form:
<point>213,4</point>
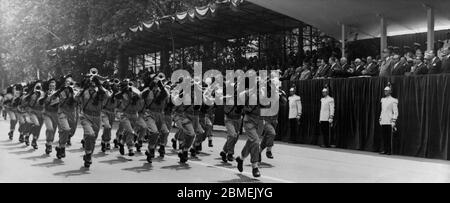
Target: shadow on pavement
<point>23,152</point>
<point>100,155</point>
<point>177,167</point>
<point>80,172</point>
<point>75,150</point>
<point>241,179</point>
<point>119,160</point>
<point>226,165</point>
<point>54,163</point>
<point>145,168</point>
<point>34,158</point>
<point>10,144</point>
<point>262,165</point>
<point>18,147</point>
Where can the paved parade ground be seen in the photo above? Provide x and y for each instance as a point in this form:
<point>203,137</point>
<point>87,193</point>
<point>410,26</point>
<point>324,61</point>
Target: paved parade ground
<point>292,164</point>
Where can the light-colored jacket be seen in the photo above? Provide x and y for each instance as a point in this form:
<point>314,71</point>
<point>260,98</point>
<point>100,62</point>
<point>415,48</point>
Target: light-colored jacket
<point>295,107</point>
<point>389,111</point>
<point>327,109</point>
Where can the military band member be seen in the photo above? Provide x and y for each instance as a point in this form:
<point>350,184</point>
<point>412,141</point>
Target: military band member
<point>388,119</point>
<point>24,116</point>
<point>193,114</point>
<point>155,98</point>
<point>253,129</point>
<point>92,99</point>
<point>233,124</point>
<point>67,115</point>
<point>108,115</point>
<point>35,112</point>
<point>326,117</point>
<point>186,133</point>
<point>50,115</point>
<point>8,101</point>
<point>131,104</point>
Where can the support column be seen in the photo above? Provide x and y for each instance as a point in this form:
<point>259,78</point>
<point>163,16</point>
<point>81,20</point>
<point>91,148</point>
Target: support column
<point>343,39</point>
<point>430,33</point>
<point>383,37</point>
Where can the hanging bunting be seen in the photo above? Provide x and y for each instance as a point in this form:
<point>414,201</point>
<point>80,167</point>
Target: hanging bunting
<point>182,17</point>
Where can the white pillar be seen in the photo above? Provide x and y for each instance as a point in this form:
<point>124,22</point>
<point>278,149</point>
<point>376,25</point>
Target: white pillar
<point>383,37</point>
<point>343,38</point>
<point>430,34</point>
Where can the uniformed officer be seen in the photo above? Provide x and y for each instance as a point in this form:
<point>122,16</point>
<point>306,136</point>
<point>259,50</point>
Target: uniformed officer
<point>326,117</point>
<point>388,119</point>
<point>295,112</point>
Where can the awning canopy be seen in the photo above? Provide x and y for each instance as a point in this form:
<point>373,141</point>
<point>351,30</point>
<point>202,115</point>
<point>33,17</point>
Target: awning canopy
<point>362,16</point>
<point>219,22</point>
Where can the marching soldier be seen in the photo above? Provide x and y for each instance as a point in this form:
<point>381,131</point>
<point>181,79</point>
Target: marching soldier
<point>50,115</point>
<point>186,132</point>
<point>23,110</point>
<point>253,129</point>
<point>8,103</point>
<point>67,118</point>
<point>131,104</point>
<point>35,112</point>
<point>108,114</point>
<point>193,114</point>
<point>155,98</point>
<point>233,124</point>
<point>388,119</point>
<point>326,117</point>
<point>92,99</point>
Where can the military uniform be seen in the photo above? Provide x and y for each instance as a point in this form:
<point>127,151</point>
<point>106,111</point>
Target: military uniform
<point>233,124</point>
<point>67,119</point>
<point>186,132</point>
<point>92,101</point>
<point>8,103</point>
<point>131,104</point>
<point>388,118</point>
<point>108,117</point>
<point>326,119</point>
<point>36,108</point>
<point>253,126</point>
<point>50,116</point>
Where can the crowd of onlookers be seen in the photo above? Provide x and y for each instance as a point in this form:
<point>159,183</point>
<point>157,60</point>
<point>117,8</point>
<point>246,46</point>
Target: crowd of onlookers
<point>390,63</point>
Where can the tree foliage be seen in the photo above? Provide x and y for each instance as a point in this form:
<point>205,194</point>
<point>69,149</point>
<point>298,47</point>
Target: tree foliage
<point>29,28</point>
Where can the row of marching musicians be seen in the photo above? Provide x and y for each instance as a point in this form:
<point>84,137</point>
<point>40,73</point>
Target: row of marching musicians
<point>147,114</point>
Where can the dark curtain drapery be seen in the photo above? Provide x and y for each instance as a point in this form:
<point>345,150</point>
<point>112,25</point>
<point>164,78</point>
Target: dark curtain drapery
<point>424,114</point>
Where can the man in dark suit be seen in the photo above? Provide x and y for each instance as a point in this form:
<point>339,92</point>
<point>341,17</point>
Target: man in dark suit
<point>359,67</point>
<point>336,69</point>
<point>323,70</point>
<point>419,67</point>
<point>371,68</point>
<point>399,68</point>
<point>433,63</point>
